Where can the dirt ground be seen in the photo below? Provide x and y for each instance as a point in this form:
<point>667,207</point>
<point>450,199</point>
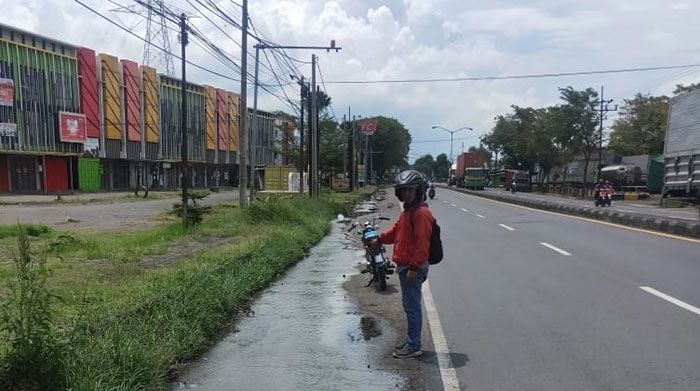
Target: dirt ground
<point>422,373</point>
<point>117,216</point>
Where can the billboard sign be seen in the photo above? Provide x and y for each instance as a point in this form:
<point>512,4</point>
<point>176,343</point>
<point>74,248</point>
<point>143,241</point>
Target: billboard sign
<point>8,129</point>
<point>368,126</point>
<point>72,127</point>
<point>7,92</point>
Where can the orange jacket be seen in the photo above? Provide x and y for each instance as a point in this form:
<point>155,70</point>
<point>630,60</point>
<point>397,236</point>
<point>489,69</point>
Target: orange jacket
<point>411,239</point>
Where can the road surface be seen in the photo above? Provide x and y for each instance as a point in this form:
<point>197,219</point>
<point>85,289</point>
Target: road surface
<point>540,301</point>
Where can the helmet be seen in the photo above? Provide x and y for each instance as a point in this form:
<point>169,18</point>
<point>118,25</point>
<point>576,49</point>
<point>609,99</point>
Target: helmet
<point>410,178</point>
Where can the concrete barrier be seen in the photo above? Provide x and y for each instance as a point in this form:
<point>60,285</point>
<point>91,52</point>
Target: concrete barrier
<point>637,220</point>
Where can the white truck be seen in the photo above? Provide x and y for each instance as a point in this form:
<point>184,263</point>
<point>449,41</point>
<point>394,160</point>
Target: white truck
<point>682,148</point>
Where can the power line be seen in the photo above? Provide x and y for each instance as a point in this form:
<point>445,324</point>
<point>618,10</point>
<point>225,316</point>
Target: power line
<point>516,77</point>
<point>152,44</point>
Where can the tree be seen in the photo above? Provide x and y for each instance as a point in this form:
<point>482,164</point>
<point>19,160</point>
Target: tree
<point>425,165</point>
<point>442,168</point>
<point>390,145</point>
<point>641,127</point>
<point>578,113</point>
<point>331,146</point>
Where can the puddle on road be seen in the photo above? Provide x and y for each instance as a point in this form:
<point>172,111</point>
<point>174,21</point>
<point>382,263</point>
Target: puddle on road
<point>307,333</point>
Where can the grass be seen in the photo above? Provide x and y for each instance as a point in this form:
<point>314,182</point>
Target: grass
<point>35,230</point>
<point>127,327</point>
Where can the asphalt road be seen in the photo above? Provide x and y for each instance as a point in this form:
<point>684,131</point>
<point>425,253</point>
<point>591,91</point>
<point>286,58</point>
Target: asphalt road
<point>539,301</point>
<point>646,207</point>
<point>120,215</point>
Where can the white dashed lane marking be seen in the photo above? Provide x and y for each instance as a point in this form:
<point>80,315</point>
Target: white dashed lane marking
<point>560,251</point>
<point>671,299</point>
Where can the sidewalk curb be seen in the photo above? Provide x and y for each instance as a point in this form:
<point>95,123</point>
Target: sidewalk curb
<point>637,220</point>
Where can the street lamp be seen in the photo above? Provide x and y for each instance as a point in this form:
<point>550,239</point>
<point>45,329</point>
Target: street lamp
<point>451,132</point>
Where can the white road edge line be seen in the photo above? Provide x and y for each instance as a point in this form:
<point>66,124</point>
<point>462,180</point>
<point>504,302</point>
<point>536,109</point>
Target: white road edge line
<point>560,251</point>
<point>464,210</point>
<point>507,227</point>
<point>671,299</point>
<point>447,370</point>
<point>480,216</point>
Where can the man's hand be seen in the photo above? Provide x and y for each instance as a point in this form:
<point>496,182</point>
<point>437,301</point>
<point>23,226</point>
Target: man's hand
<point>411,276</point>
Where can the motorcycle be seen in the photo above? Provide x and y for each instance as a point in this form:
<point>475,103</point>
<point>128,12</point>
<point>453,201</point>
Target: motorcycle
<point>431,193</point>
<point>602,197</point>
<point>378,266</point>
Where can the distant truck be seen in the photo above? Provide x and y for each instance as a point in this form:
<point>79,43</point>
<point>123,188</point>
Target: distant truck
<point>682,148</point>
<point>520,178</point>
<point>473,160</point>
<point>475,178</point>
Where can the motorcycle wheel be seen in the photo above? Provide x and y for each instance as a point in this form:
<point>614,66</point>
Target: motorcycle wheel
<point>381,276</point>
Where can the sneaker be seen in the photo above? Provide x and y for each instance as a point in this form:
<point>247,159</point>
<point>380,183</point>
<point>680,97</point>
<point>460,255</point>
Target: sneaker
<point>400,345</point>
<point>407,352</point>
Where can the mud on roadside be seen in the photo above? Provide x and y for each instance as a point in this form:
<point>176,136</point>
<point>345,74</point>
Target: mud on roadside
<point>422,373</point>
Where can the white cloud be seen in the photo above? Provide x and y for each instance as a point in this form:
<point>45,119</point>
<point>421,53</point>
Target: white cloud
<point>409,39</point>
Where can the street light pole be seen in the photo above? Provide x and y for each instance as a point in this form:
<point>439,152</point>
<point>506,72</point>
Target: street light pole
<point>451,132</point>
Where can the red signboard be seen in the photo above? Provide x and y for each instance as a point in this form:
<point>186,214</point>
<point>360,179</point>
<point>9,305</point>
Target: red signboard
<point>73,127</point>
<point>87,83</point>
<point>367,126</point>
<point>7,92</point>
<point>132,99</point>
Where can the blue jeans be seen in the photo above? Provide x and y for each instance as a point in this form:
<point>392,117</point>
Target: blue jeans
<point>411,298</point>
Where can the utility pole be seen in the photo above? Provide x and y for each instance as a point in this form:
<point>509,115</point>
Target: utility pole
<point>604,109</point>
<point>243,111</point>
<point>355,157</point>
<point>350,151</point>
<point>313,121</point>
<point>314,130</point>
<point>254,133</point>
<point>302,160</point>
<point>183,117</point>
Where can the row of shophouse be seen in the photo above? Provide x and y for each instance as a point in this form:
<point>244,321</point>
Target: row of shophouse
<point>73,119</point>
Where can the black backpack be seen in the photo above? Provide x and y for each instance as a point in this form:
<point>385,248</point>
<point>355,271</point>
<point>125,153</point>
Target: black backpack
<point>435,252</point>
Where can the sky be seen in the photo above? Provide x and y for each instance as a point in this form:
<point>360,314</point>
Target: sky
<point>409,39</point>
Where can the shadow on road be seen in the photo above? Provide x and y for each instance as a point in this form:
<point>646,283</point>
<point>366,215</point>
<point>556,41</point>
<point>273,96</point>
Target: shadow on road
<point>458,359</point>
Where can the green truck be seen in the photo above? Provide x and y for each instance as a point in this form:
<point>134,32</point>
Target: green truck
<point>475,178</point>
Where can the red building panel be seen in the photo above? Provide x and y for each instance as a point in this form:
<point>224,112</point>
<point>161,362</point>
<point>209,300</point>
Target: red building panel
<point>132,100</point>
<point>87,83</point>
<point>56,172</point>
<point>221,119</point>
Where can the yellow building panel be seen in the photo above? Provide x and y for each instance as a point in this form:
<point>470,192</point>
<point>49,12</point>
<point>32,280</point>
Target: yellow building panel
<point>233,104</point>
<point>210,116</point>
<point>151,89</point>
<point>111,97</point>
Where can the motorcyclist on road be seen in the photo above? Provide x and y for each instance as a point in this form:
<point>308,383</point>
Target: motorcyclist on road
<point>411,238</point>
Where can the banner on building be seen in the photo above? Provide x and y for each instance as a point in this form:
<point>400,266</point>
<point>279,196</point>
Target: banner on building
<point>368,126</point>
<point>8,130</point>
<point>7,92</point>
<point>72,127</point>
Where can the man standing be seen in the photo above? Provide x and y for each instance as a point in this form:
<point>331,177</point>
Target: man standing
<point>411,238</point>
